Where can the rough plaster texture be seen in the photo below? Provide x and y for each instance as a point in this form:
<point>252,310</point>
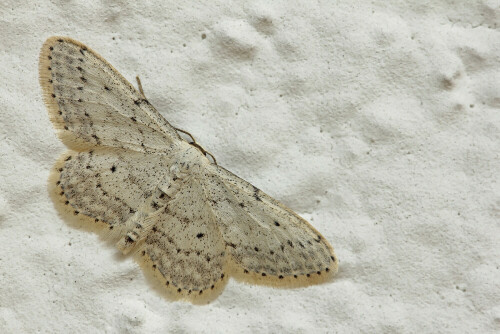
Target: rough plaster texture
<point>378,121</point>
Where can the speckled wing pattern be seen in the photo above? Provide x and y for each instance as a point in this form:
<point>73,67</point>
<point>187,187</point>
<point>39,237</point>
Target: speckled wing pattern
<point>190,223</point>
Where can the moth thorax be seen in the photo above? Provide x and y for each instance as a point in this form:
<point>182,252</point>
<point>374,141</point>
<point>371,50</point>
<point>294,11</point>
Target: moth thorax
<point>188,162</point>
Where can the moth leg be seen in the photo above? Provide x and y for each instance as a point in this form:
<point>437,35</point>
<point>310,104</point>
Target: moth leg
<point>187,133</point>
<point>198,146</point>
<point>194,143</point>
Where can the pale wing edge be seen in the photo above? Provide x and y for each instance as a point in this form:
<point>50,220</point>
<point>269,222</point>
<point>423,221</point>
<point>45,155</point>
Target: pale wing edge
<point>319,277</point>
<point>66,136</point>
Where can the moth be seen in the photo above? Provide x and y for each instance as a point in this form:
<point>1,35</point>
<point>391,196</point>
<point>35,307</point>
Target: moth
<point>190,223</point>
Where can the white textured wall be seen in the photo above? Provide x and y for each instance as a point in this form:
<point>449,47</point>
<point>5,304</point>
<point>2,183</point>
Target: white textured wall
<point>378,121</point>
